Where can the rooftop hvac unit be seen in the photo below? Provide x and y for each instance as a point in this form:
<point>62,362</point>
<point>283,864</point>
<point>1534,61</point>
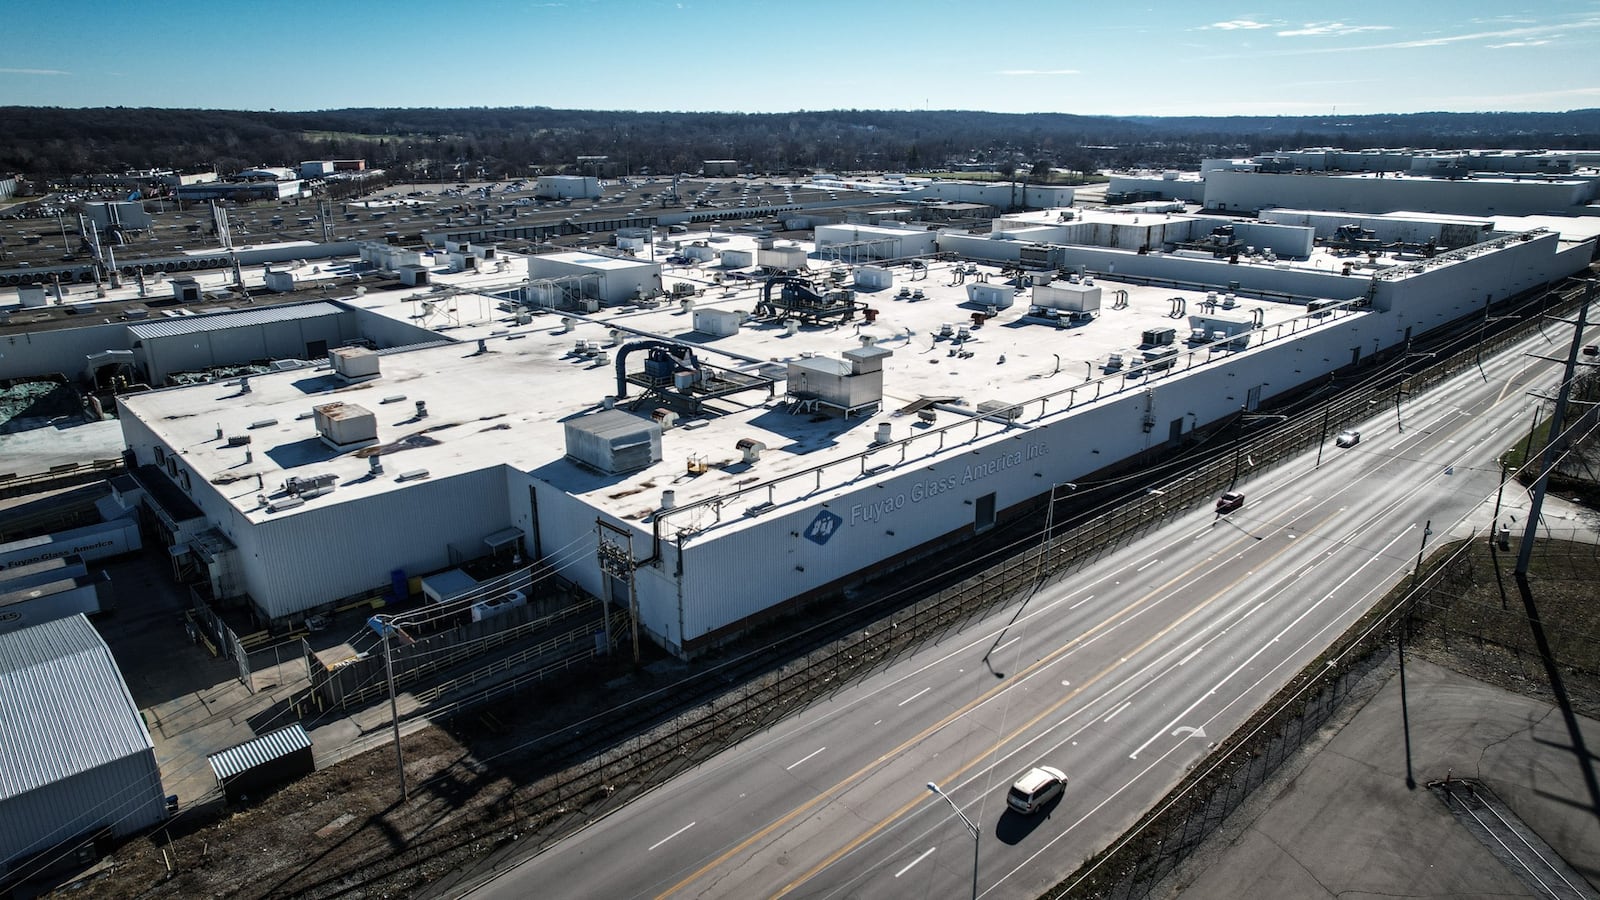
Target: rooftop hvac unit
<point>613,441</point>
<point>306,487</point>
<point>354,363</point>
<point>344,426</point>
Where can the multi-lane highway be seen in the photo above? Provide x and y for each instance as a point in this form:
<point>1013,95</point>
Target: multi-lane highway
<point>1122,675</point>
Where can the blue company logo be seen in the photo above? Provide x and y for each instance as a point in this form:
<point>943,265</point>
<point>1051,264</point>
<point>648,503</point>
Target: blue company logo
<point>823,527</point>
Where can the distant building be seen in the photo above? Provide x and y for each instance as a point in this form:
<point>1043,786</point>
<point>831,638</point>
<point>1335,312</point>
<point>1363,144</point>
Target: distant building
<point>321,168</point>
<point>567,187</point>
<point>76,761</point>
<point>261,183</point>
<point>714,168</point>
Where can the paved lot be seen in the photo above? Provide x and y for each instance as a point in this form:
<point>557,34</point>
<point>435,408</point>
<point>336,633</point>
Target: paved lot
<point>68,441</point>
<point>1341,822</point>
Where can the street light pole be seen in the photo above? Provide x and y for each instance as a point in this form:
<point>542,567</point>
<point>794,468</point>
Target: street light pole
<point>970,827</point>
<point>387,625</point>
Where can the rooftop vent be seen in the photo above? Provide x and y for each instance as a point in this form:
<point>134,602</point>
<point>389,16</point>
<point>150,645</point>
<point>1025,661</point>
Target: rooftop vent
<point>750,448</point>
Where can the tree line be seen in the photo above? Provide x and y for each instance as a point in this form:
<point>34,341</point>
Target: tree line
<point>517,141</point>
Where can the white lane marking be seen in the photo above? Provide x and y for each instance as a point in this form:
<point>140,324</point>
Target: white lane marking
<point>1117,710</point>
<point>1147,565</point>
<point>1316,635</point>
<point>914,862</point>
<point>1241,667</point>
<point>804,758</point>
<point>672,835</point>
<point>1192,654</point>
<point>1080,603</point>
<point>1007,644</point>
<point>914,696</point>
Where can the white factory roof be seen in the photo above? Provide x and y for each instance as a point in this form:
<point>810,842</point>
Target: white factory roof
<point>508,405</point>
<point>594,260</point>
<point>64,708</point>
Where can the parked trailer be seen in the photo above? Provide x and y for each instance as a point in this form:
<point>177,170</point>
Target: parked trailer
<point>25,607</point>
<point>42,572</point>
<point>91,542</point>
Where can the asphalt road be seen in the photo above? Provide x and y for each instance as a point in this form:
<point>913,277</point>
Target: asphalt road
<point>1122,675</point>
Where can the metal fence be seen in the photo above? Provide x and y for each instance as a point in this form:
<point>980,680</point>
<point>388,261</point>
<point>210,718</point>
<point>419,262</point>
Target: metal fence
<point>64,475</point>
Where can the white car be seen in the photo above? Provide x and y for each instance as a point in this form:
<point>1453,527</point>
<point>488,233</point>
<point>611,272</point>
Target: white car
<point>1348,438</point>
<point>1033,790</point>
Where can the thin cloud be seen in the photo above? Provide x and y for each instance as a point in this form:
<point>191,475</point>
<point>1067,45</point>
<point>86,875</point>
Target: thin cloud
<point>9,71</point>
<point>1539,43</point>
<point>1490,35</point>
<point>1503,35</point>
<point>1040,72</point>
<point>1237,25</point>
<point>1331,29</point>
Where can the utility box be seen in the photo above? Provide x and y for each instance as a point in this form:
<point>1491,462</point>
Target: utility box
<point>999,296</point>
<point>1081,297</point>
<point>874,278</point>
<point>1159,337</point>
<point>717,322</point>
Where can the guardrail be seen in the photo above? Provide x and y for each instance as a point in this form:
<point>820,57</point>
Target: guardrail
<point>13,484</point>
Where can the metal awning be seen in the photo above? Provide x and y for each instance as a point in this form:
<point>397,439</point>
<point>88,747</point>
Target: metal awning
<point>505,537</point>
<point>238,759</point>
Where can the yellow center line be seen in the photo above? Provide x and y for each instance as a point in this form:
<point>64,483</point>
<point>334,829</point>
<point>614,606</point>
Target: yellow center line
<point>862,772</point>
<point>867,835</point>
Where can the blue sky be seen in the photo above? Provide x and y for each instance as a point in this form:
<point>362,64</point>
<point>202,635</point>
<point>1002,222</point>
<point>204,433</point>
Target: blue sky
<point>1100,58</point>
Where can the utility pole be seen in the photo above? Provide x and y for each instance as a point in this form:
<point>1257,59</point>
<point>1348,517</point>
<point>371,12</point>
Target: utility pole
<point>1525,552</point>
<point>1427,529</point>
<point>1326,411</point>
<point>384,625</point>
<point>1557,423</point>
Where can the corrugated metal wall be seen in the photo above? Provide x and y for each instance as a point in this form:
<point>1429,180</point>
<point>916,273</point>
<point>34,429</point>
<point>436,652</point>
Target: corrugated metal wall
<point>327,550</point>
<point>163,356</point>
<point>125,795</point>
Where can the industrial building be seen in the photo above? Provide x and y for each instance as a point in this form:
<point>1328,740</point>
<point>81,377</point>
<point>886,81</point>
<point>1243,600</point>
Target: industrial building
<point>1378,181</point>
<point>759,442</point>
<point>76,762</point>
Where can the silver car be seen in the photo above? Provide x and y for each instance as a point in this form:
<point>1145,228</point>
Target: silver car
<point>1033,790</point>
